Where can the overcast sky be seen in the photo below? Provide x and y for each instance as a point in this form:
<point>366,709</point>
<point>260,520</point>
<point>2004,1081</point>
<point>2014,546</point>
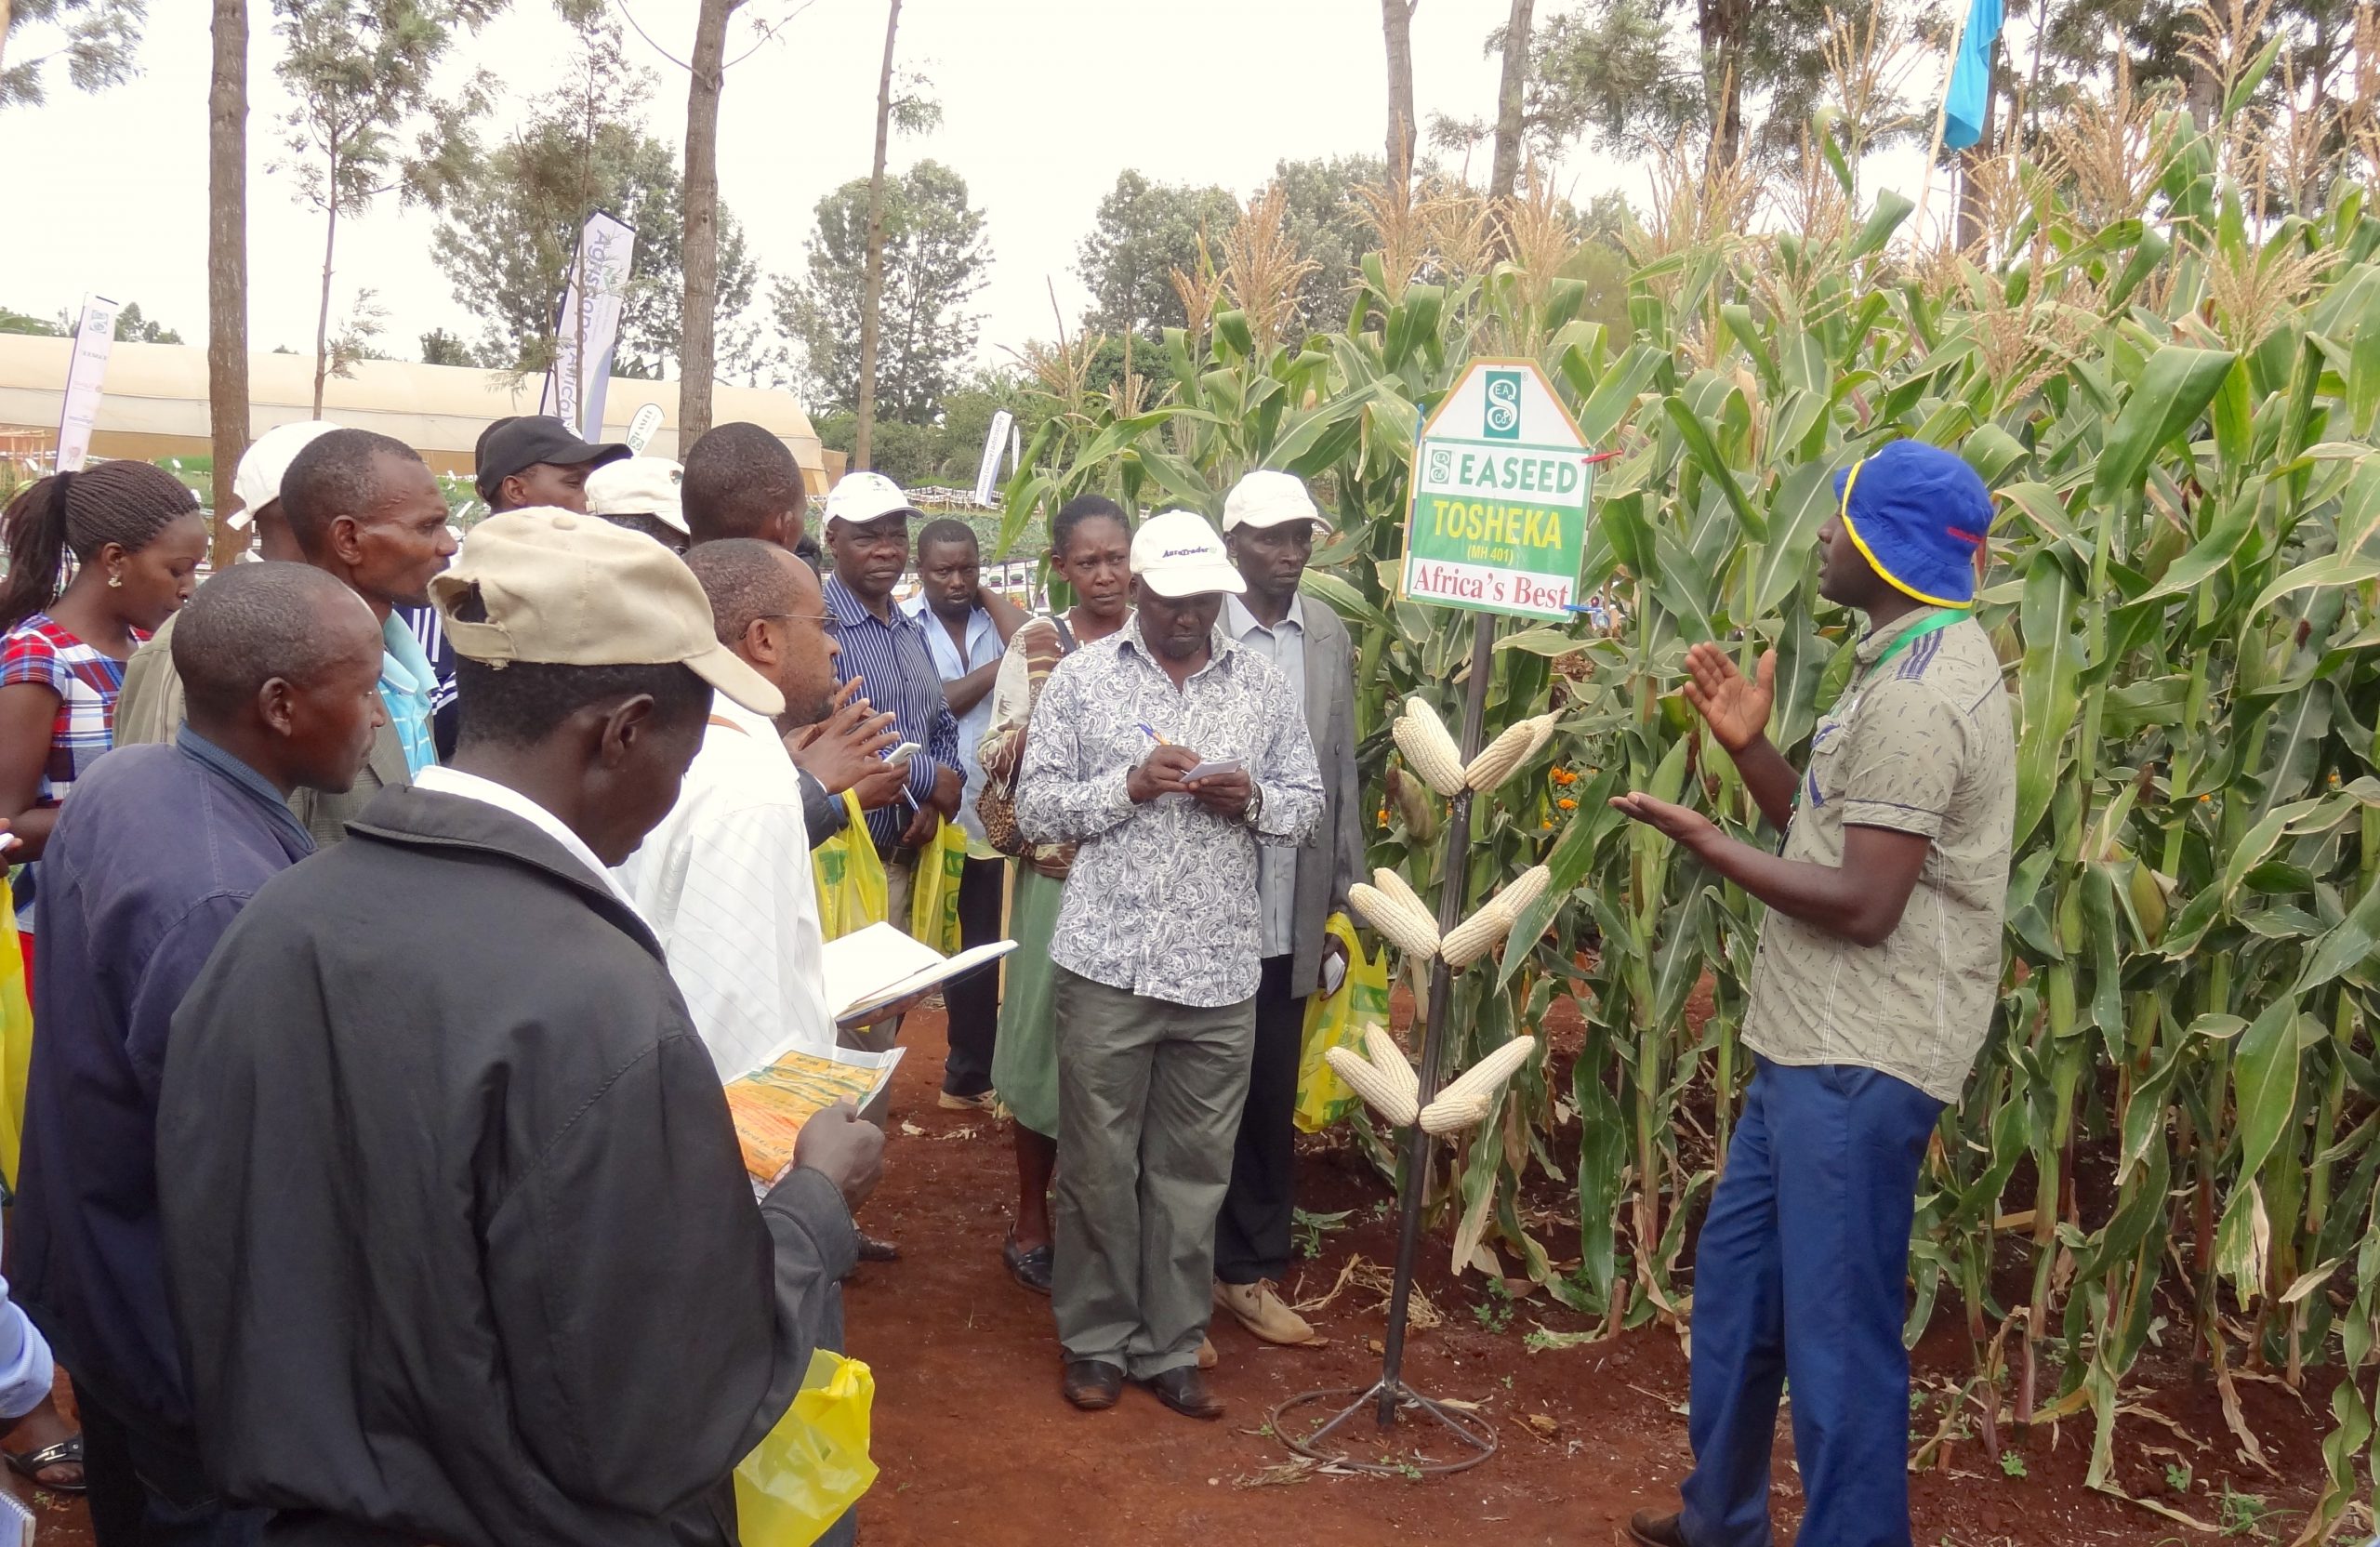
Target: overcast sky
<point>1044,101</point>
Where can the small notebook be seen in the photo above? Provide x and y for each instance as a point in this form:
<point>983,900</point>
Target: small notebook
<point>871,968</point>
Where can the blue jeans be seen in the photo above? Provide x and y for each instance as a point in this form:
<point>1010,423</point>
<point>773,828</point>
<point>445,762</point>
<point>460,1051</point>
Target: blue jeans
<point>1801,1273</point>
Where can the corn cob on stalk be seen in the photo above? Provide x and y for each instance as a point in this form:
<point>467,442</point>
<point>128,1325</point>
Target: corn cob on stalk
<point>1475,936</point>
<point>1396,886</point>
<point>1516,898</point>
<point>1466,1101</point>
<point>1390,1059</point>
<point>1429,751</point>
<point>1407,924</point>
<point>1516,746</point>
<point>1413,798</point>
<point>1381,1090</point>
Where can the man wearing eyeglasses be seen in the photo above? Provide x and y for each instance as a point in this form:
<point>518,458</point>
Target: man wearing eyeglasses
<point>724,880</point>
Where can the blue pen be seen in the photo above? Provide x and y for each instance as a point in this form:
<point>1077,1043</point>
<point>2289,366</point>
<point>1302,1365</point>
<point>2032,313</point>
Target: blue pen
<point>1151,732</point>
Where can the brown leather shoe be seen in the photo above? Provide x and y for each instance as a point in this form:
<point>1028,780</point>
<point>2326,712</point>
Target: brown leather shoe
<point>1185,1390</point>
<point>1648,1529</point>
<point>1093,1384</point>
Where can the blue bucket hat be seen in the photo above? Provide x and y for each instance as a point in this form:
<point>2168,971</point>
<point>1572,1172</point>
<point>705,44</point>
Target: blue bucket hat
<point>1920,514</point>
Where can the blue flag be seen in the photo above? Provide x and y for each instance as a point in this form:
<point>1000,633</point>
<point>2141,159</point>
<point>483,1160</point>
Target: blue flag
<point>1970,95</point>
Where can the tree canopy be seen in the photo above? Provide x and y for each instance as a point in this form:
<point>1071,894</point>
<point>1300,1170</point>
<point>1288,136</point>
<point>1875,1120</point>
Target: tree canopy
<point>935,259</point>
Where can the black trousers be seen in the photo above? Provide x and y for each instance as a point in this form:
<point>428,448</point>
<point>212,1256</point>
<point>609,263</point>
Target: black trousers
<point>1252,1232</point>
<point>974,1001</point>
<point>145,1494</point>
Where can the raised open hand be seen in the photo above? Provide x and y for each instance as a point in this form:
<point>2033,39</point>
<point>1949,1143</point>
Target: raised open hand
<point>1737,710</point>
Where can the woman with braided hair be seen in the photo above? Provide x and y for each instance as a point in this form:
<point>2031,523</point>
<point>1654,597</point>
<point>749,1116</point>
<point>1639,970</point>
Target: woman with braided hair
<point>135,537</point>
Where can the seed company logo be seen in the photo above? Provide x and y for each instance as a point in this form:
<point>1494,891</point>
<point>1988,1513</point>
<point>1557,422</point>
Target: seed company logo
<point>1503,418</point>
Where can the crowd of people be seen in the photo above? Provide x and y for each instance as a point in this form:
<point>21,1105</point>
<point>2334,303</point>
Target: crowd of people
<point>394,914</point>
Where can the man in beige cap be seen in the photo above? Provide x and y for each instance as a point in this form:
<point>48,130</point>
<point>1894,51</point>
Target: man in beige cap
<point>1170,753</point>
<point>1270,523</point>
<point>457,1226</point>
<point>641,493</point>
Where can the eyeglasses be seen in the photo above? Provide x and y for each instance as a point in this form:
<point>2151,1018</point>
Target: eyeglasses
<point>824,620</point>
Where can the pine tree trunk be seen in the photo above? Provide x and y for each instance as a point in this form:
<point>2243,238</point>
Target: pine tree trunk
<point>323,316</point>
<point>1721,25</point>
<point>1507,169</point>
<point>871,330</point>
<point>699,256</point>
<point>227,264</point>
<point>1396,26</point>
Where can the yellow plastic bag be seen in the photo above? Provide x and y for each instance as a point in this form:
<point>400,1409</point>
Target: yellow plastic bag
<point>15,1036</point>
<point>813,1465</point>
<point>851,893</point>
<point>934,890</point>
<point>1339,1022</point>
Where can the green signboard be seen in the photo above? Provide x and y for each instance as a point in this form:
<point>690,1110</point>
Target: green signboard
<point>1501,481</point>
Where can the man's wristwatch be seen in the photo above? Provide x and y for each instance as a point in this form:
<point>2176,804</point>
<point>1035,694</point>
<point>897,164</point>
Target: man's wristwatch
<point>1255,805</point>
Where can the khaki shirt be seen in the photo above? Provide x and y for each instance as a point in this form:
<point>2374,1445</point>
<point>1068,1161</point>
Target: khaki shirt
<point>1924,745</point>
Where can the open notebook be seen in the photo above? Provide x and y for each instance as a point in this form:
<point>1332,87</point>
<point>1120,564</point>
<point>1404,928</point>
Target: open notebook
<point>865,971</point>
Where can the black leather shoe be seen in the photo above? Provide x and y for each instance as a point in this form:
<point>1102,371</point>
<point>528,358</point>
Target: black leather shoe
<point>1185,1390</point>
<point>1093,1384</point>
<point>1028,1268</point>
<point>873,1251</point>
<point>1647,1529</point>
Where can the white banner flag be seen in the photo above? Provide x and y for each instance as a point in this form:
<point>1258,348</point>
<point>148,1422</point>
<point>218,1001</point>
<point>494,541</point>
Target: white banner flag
<point>987,472</point>
<point>94,336</point>
<point>587,329</point>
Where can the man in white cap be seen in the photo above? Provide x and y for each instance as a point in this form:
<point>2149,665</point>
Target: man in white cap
<point>867,544</point>
<point>641,493</point>
<point>150,706</point>
<point>1170,753</point>
<point>459,1233</point>
<point>1270,523</point>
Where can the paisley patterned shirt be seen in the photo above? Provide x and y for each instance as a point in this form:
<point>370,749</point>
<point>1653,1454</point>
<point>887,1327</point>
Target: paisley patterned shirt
<point>1162,899</point>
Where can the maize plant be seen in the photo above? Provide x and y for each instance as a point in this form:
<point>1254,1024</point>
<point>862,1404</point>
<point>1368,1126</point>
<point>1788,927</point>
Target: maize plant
<point>2170,378</point>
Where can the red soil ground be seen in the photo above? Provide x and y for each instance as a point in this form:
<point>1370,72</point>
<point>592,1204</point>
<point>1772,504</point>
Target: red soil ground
<point>976,1444</point>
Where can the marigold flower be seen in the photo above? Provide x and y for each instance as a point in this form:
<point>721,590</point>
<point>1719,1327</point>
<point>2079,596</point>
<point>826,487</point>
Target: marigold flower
<point>1567,803</point>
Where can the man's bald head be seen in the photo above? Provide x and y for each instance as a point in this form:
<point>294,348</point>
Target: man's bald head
<point>252,623</point>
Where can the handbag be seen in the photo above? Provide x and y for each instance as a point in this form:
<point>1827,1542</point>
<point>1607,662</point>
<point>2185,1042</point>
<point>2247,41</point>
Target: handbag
<point>995,802</point>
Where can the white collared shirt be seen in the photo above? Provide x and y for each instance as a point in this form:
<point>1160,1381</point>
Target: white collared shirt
<point>984,647</point>
<point>725,882</point>
<point>1277,869</point>
<point>503,798</point>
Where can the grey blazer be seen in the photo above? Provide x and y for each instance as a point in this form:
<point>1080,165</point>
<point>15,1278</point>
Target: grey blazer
<point>1332,859</point>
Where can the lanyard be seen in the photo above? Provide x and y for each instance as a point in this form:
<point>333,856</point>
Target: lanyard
<point>1911,634</point>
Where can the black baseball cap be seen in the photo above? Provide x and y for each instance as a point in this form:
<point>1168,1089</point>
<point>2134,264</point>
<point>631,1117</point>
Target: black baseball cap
<point>509,445</point>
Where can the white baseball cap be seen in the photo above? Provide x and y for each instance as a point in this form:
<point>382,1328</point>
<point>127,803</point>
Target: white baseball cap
<point>257,482</point>
<point>639,486</point>
<point>1178,554</point>
<point>1269,498</point>
<point>861,497</point>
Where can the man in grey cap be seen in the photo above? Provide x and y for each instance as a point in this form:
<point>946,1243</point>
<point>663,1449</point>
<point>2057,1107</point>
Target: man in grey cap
<point>466,1252</point>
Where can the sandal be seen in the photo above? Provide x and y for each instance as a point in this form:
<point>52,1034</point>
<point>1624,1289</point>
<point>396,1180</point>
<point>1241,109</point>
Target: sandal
<point>1028,1268</point>
<point>31,1465</point>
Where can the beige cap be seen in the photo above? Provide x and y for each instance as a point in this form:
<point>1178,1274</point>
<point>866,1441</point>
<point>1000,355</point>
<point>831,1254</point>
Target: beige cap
<point>566,589</point>
<point>639,486</point>
<point>1268,499</point>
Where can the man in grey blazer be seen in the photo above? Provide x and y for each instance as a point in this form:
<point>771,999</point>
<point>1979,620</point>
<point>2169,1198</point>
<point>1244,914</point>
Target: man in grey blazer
<point>1269,525</point>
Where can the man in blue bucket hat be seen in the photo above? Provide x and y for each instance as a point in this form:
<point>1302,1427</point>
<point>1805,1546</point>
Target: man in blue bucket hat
<point>1879,964</point>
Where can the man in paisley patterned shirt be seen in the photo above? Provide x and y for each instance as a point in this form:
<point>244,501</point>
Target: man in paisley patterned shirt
<point>1155,951</point>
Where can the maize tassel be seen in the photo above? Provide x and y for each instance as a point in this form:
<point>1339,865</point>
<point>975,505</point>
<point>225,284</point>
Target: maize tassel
<point>1429,751</point>
<point>1475,936</point>
<point>1516,746</point>
<point>1379,1089</point>
<point>1407,926</point>
<point>1467,1101</point>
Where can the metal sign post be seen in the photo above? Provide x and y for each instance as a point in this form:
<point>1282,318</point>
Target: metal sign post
<point>1496,525</point>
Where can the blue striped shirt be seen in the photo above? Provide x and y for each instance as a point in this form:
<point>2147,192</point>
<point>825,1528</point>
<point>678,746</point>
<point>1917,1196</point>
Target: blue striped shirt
<point>432,635</point>
<point>897,665</point>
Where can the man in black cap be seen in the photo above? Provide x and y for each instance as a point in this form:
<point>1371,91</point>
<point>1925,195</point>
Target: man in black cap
<point>522,460</point>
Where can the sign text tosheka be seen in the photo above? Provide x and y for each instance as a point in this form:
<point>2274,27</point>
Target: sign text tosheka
<point>1501,481</point>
